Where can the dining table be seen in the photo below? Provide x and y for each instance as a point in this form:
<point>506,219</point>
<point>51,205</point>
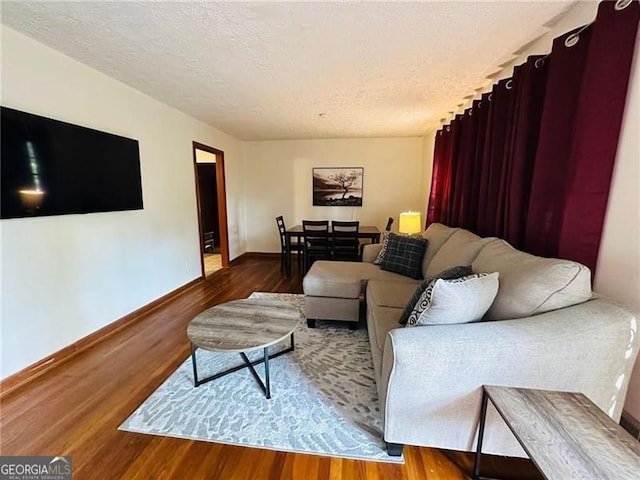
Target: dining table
<point>365,232</point>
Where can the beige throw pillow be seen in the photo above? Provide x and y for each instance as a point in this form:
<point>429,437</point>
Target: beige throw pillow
<point>436,235</point>
<point>461,248</point>
<point>463,300</point>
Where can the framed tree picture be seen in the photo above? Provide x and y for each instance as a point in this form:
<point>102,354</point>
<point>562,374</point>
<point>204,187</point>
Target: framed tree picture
<point>337,187</point>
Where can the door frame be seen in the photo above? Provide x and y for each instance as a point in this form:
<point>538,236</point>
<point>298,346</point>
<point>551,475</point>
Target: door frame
<point>222,204</point>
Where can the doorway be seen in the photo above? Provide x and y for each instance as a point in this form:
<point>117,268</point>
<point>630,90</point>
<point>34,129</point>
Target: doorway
<point>212,208</point>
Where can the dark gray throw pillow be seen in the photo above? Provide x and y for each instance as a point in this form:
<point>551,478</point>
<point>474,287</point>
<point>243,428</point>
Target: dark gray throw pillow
<point>448,274</point>
<point>404,255</point>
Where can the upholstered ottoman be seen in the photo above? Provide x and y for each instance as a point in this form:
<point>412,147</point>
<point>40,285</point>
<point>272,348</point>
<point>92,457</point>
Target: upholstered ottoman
<point>332,292</point>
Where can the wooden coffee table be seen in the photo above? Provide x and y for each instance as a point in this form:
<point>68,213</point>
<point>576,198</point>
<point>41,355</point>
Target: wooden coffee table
<point>242,326</point>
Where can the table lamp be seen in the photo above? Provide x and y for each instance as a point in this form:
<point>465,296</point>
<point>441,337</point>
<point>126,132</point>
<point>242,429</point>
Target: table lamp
<point>410,222</point>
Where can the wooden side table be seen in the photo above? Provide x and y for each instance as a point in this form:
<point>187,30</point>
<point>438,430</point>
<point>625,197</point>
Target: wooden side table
<point>565,434</point>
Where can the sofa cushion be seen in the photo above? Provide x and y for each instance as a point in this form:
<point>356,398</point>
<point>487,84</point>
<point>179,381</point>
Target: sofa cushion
<point>530,284</point>
<point>404,255</point>
<point>386,293</point>
<point>336,279</point>
<point>460,300</point>
<point>327,278</point>
<point>370,252</point>
<point>449,274</point>
<point>461,248</point>
<point>379,274</point>
<point>436,235</point>
<point>380,320</point>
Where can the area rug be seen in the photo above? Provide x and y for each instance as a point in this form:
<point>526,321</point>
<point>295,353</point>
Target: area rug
<point>323,398</point>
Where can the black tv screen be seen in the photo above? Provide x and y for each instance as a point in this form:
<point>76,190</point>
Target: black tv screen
<point>48,167</point>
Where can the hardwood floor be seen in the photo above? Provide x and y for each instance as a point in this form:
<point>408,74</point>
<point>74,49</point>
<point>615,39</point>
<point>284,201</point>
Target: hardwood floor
<point>212,263</point>
<point>75,409</point>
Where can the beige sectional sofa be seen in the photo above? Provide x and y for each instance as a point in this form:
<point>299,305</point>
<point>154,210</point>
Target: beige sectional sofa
<point>545,329</point>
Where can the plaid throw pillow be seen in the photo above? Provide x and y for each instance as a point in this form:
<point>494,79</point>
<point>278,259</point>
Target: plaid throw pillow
<point>385,243</point>
<point>449,274</point>
<point>404,255</point>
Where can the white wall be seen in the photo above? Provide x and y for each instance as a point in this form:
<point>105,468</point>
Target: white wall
<point>64,277</point>
<point>278,182</point>
<point>618,268</point>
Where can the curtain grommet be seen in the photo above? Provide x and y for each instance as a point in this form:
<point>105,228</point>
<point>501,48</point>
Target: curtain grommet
<point>572,40</point>
<point>622,4</point>
<point>539,63</point>
<point>509,84</point>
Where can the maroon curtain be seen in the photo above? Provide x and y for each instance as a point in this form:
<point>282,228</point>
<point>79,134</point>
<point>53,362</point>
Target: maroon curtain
<point>551,167</point>
<point>532,161</point>
<point>441,179</point>
<point>481,115</point>
<point>478,168</point>
<point>493,159</point>
<point>529,81</point>
<point>599,121</point>
<point>436,196</point>
<point>458,126</point>
<point>452,164</point>
<point>581,120</point>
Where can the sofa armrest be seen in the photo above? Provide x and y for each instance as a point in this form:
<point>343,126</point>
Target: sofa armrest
<point>370,252</point>
<point>431,376</point>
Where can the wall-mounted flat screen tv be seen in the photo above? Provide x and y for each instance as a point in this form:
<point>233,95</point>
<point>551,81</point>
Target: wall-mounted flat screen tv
<point>48,167</point>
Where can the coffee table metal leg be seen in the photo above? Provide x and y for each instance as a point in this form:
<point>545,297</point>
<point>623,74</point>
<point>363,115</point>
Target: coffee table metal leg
<point>483,418</point>
<point>195,368</point>
<point>266,373</point>
<point>265,386</point>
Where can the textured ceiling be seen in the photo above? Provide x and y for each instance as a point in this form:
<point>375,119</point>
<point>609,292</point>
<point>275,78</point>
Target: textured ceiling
<point>261,71</point>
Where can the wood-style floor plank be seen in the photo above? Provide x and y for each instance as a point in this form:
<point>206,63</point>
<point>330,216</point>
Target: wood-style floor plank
<point>75,408</point>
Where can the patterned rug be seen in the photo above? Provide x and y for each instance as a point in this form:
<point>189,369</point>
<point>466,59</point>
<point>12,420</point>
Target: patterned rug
<point>323,398</point>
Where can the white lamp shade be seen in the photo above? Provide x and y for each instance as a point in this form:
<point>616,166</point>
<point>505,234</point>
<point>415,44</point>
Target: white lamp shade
<point>410,222</point>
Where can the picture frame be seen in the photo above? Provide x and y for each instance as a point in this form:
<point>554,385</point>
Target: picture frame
<point>337,186</point>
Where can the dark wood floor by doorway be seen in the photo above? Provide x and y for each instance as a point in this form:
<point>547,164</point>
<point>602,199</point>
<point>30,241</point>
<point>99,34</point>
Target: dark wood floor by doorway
<point>75,409</point>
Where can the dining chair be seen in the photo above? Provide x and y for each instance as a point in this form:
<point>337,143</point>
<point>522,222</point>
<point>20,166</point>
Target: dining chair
<point>286,246</point>
<point>345,245</point>
<point>317,242</point>
<point>208,245</point>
